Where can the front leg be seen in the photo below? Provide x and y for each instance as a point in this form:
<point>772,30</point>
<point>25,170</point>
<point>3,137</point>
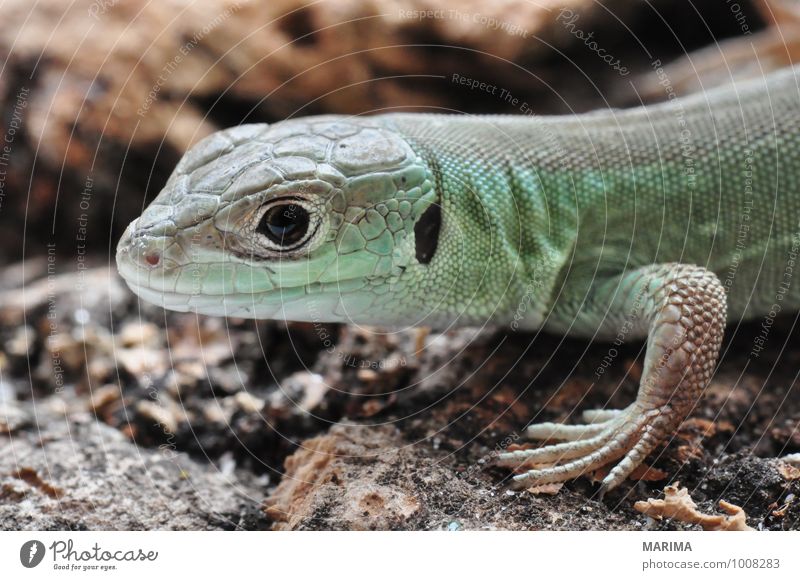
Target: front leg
<point>682,310</point>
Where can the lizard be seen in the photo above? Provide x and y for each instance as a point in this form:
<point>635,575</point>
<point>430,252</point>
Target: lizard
<point>659,223</point>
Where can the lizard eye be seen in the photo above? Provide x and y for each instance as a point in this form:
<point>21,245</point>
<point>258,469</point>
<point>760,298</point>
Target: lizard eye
<point>286,224</point>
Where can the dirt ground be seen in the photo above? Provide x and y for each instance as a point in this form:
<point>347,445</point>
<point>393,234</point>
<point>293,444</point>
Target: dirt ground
<point>176,421</point>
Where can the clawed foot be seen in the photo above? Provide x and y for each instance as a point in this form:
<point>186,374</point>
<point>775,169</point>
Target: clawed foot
<point>683,307</point>
<point>631,433</point>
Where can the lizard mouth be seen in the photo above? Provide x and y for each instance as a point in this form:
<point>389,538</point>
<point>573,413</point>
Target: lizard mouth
<point>301,303</point>
<point>161,286</point>
<point>223,287</point>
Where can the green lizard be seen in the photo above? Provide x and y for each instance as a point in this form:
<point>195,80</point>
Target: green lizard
<point>649,222</point>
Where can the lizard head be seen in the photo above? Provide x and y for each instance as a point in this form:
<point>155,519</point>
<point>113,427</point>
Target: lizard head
<point>317,219</point>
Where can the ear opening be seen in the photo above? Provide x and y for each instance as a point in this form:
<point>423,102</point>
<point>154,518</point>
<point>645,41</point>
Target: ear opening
<point>426,233</point>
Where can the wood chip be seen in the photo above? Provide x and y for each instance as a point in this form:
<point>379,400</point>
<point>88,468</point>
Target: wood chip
<point>32,478</point>
<point>103,397</point>
<point>158,415</point>
<point>678,505</point>
<point>135,334</point>
<point>545,489</point>
<point>788,471</point>
<point>248,403</point>
<point>779,512</point>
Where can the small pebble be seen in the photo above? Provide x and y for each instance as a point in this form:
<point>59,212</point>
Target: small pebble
<point>454,526</point>
<point>81,316</point>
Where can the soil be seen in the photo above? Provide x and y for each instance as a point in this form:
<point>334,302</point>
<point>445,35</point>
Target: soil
<point>175,421</point>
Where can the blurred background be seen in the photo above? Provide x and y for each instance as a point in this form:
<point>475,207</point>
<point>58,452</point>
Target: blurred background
<point>114,91</point>
<point>117,415</point>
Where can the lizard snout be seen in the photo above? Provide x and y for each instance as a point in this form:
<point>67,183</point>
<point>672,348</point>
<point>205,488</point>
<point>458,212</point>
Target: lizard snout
<point>138,251</point>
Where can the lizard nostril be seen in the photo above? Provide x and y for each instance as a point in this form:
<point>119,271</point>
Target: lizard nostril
<point>152,258</point>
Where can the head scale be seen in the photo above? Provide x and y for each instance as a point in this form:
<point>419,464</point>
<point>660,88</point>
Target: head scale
<point>308,219</point>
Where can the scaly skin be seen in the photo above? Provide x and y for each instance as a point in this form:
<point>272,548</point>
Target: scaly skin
<point>642,223</point>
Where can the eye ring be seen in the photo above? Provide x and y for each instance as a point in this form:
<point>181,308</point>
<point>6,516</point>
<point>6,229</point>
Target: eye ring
<point>285,224</point>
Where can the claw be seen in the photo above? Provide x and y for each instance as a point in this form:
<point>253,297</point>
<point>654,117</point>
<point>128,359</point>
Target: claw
<point>601,415</point>
<point>564,432</point>
<point>551,453</point>
<point>632,460</point>
<point>569,470</point>
<point>629,434</point>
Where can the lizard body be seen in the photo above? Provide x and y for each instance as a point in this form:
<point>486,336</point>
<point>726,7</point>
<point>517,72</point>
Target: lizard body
<point>651,223</point>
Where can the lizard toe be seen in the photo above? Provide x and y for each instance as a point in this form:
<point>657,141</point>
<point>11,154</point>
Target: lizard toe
<point>629,434</point>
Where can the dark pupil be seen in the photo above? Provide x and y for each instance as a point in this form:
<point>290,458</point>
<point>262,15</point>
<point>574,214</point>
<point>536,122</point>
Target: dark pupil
<point>284,224</point>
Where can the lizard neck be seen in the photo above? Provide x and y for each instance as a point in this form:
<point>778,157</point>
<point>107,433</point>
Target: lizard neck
<point>502,242</point>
